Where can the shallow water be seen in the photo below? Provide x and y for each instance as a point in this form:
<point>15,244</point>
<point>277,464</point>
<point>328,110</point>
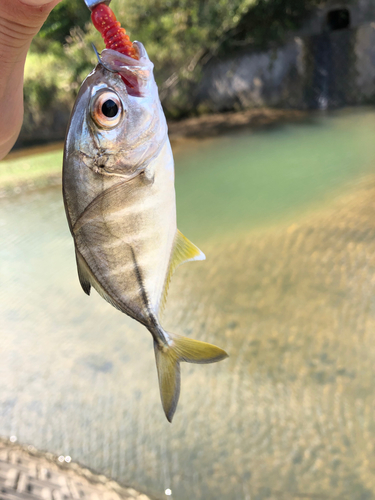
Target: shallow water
<point>286,219</point>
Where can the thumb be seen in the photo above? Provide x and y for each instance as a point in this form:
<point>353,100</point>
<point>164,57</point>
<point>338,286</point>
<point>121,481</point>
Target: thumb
<point>20,20</point>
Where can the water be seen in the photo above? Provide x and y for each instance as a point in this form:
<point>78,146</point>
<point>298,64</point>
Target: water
<point>286,218</point>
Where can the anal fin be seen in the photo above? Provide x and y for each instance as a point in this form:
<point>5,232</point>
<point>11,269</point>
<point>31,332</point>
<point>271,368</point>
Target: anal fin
<point>183,251</point>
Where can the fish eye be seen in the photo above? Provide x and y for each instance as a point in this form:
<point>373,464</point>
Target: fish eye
<point>106,109</point>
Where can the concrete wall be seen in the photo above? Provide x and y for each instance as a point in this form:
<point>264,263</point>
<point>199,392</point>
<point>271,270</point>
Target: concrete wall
<point>316,69</point>
<point>365,61</point>
<point>252,80</point>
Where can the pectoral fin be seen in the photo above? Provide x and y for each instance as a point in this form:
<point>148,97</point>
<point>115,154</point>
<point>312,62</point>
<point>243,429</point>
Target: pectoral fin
<point>83,273</point>
<point>183,251</point>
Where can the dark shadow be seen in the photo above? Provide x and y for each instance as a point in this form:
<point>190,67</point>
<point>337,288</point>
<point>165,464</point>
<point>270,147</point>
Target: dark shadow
<point>338,19</point>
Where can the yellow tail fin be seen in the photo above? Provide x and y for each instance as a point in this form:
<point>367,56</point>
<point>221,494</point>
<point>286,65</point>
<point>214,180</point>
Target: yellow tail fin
<point>168,361</point>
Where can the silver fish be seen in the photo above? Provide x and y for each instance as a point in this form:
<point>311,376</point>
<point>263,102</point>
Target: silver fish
<point>118,188</point>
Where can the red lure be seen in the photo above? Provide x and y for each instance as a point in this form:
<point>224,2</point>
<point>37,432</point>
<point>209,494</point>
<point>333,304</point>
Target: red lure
<point>114,36</point>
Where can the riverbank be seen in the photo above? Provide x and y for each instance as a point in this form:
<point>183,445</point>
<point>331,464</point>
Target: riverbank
<point>218,123</point>
<point>39,167</point>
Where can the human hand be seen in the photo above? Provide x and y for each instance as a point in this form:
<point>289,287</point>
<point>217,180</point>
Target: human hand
<point>20,21</point>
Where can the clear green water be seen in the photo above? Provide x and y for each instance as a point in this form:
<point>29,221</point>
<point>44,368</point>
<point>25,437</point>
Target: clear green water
<point>247,180</point>
<point>286,219</point>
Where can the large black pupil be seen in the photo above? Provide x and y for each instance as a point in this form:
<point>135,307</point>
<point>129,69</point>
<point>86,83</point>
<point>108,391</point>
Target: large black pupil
<point>110,109</point>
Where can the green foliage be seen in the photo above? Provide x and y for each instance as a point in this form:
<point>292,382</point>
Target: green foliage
<point>47,86</point>
<point>268,22</point>
<point>173,31</point>
<point>39,93</point>
<point>45,71</point>
<point>64,17</point>
<point>80,55</point>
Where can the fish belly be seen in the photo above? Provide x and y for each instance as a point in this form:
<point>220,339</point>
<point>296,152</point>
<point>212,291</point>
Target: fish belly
<point>126,238</point>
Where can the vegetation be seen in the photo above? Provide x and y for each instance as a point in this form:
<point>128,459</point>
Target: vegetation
<point>180,37</point>
<point>267,23</point>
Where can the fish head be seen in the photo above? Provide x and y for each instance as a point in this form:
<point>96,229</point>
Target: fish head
<point>117,125</point>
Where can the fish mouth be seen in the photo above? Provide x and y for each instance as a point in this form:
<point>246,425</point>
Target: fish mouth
<point>135,73</point>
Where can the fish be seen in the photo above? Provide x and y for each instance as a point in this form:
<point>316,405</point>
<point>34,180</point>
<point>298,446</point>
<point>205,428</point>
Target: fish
<point>120,203</point>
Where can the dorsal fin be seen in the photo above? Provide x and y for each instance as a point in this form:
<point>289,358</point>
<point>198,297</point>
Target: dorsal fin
<point>183,251</point>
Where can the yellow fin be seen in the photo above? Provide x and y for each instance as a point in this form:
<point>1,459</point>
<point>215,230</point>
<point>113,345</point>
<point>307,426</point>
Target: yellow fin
<point>183,251</point>
<point>168,360</point>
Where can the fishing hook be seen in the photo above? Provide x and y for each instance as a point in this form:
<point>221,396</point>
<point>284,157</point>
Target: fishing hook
<point>101,61</point>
